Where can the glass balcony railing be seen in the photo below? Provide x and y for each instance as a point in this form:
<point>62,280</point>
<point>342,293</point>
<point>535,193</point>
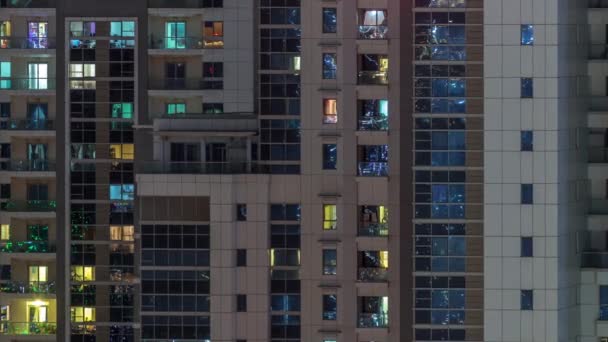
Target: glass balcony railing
<point>27,165</point>
<point>28,205</point>
<point>373,31</point>
<point>598,155</point>
<point>184,84</point>
<point>27,247</point>
<point>172,43</point>
<point>26,125</point>
<point>372,274</point>
<point>373,123</point>
<point>27,43</point>
<point>594,259</point>
<point>372,320</point>
<point>373,169</point>
<point>27,83</point>
<point>199,167</point>
<point>373,229</point>
<point>28,328</point>
<point>176,3</point>
<point>372,78</point>
<point>27,4</point>
<point>36,287</point>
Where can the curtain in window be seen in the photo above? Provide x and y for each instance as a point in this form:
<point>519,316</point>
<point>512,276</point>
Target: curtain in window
<point>37,115</point>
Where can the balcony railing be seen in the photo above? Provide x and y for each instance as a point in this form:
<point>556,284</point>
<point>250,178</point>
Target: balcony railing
<point>373,123</point>
<point>175,3</point>
<point>27,247</point>
<point>26,4</point>
<point>373,229</point>
<point>183,84</point>
<point>372,274</point>
<point>206,116</point>
<point>28,205</point>
<point>372,320</point>
<point>27,83</point>
<point>172,43</point>
<point>35,287</point>
<point>199,167</point>
<point>372,78</point>
<point>28,328</point>
<point>373,169</point>
<point>594,259</point>
<point>373,32</point>
<point>26,125</point>
<point>598,155</point>
<point>27,165</point>
<point>27,43</point>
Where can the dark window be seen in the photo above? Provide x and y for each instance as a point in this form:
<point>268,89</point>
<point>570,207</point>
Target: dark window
<point>213,108</point>
<point>213,3</point>
<point>527,88</point>
<point>527,300</point>
<point>603,303</point>
<point>5,110</point>
<point>213,69</point>
<point>241,257</point>
<point>330,20</point>
<point>330,307</point>
<point>5,191</point>
<point>330,66</point>
<point>241,212</point>
<point>330,156</point>
<point>527,140</point>
<point>527,247</point>
<point>527,194</point>
<point>330,262</point>
<point>241,303</point>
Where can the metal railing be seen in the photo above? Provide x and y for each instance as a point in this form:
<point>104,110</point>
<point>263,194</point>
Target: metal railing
<point>27,247</point>
<point>199,167</point>
<point>27,165</point>
<point>373,229</point>
<point>205,116</point>
<point>28,328</point>
<point>26,124</point>
<point>175,43</point>
<point>372,78</point>
<point>372,169</point>
<point>176,3</point>
<point>41,43</point>
<point>372,274</point>
<point>26,4</point>
<point>28,205</point>
<point>373,32</point>
<point>372,320</point>
<point>23,287</point>
<point>27,84</point>
<point>182,84</point>
<point>373,123</point>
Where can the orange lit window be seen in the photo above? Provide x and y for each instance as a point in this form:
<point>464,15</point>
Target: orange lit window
<point>330,111</point>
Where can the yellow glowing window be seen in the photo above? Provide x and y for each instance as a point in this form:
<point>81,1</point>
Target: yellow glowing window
<point>5,31</point>
<point>81,314</point>
<point>5,232</point>
<point>330,111</point>
<point>38,274</point>
<point>383,259</point>
<point>383,64</point>
<point>330,216</point>
<point>78,70</point>
<point>37,311</point>
<point>121,233</point>
<point>382,214</point>
<point>83,273</point>
<point>297,61</point>
<point>122,151</point>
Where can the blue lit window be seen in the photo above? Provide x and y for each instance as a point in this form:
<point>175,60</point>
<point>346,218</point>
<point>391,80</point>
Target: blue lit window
<point>5,75</point>
<point>527,88</point>
<point>603,303</point>
<point>330,66</point>
<point>527,141</point>
<point>527,35</point>
<point>527,247</point>
<point>527,194</point>
<point>330,20</point>
<point>527,300</point>
<point>285,303</point>
<point>330,156</point>
<point>330,307</point>
<point>124,192</point>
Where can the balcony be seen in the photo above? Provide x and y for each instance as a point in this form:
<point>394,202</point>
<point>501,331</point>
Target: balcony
<point>225,122</point>
<point>372,169</point>
<point>27,247</point>
<point>176,3</point>
<point>372,274</point>
<point>372,320</point>
<point>373,32</point>
<point>200,168</point>
<point>19,287</point>
<point>37,43</point>
<point>177,44</point>
<point>26,125</point>
<point>29,206</point>
<point>27,165</point>
<point>184,84</point>
<point>598,155</point>
<point>594,259</point>
<point>30,84</point>
<point>373,229</point>
<point>372,78</point>
<point>28,328</point>
<point>27,4</point>
<point>373,123</point>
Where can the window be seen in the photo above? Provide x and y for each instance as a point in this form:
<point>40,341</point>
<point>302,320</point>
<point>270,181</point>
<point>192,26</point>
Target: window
<point>603,303</point>
<point>241,212</point>
<point>330,111</point>
<point>213,108</point>
<point>122,151</point>
<point>213,69</point>
<point>82,70</point>
<point>330,66</point>
<point>213,34</point>
<point>81,314</point>
<point>83,273</point>
<point>175,35</point>
<point>373,115</point>
<point>5,232</point>
<point>122,233</point>
<point>527,35</point>
<point>38,35</point>
<point>214,4</point>
<point>82,28</point>
<point>38,274</point>
<point>176,108</point>
<point>122,110</point>
<point>123,192</point>
<point>330,20</point>
<point>37,232</point>
<point>330,307</point>
<point>330,262</point>
<point>527,140</point>
<point>5,32</point>
<point>372,24</point>
<point>5,75</point>
<point>527,194</point>
<point>241,303</point>
<point>373,70</point>
<point>527,300</point>
<point>527,247</point>
<point>122,28</point>
<point>241,257</point>
<point>527,88</point>
<point>330,217</point>
<point>37,75</point>
<point>330,156</point>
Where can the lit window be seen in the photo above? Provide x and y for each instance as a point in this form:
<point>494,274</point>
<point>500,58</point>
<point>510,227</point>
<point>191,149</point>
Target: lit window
<point>38,76</point>
<point>603,303</point>
<point>330,307</point>
<point>78,70</point>
<point>122,28</point>
<point>122,151</point>
<point>38,35</point>
<point>527,88</point>
<point>330,156</point>
<point>89,84</point>
<point>330,217</point>
<point>122,110</point>
<point>330,262</point>
<point>83,273</point>
<point>527,35</point>
<point>213,33</point>
<point>373,24</point>
<point>38,274</point>
<point>82,28</point>
<point>175,35</point>
<point>122,233</point>
<point>330,66</point>
<point>81,314</point>
<point>527,300</point>
<point>527,194</point>
<point>5,75</point>
<point>330,111</point>
<point>176,108</point>
<point>125,192</point>
<point>5,232</point>
<point>5,32</point>
<point>330,20</point>
<point>527,141</point>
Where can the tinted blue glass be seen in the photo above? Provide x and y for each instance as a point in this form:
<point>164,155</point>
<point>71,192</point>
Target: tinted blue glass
<point>440,159</point>
<point>457,299</point>
<point>330,307</point>
<point>329,66</point>
<point>456,88</point>
<point>440,211</point>
<point>527,247</point>
<point>440,246</point>
<point>457,211</point>
<point>330,156</point>
<point>457,106</point>
<point>527,300</point>
<point>527,140</point>
<point>439,140</point>
<point>527,88</point>
<point>440,193</point>
<point>440,299</point>
<point>456,141</point>
<point>440,264</point>
<point>457,193</point>
<point>457,158</point>
<point>457,265</point>
<point>457,317</point>
<point>440,87</point>
<point>456,246</point>
<point>457,34</point>
<point>441,317</point>
<point>527,194</point>
<point>330,20</point>
<point>440,35</point>
<point>527,35</point>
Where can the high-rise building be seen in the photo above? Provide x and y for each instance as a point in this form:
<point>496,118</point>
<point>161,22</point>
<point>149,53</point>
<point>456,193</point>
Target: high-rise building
<point>304,170</point>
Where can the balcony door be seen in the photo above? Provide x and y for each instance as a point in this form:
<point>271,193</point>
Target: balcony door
<point>37,192</point>
<point>38,35</point>
<point>37,157</point>
<point>38,75</point>
<point>176,76</point>
<point>175,35</point>
<point>38,274</point>
<point>36,115</point>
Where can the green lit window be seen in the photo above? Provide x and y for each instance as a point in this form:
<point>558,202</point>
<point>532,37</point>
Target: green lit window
<point>122,28</point>
<point>175,35</point>
<point>176,108</point>
<point>122,110</point>
<point>5,75</point>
